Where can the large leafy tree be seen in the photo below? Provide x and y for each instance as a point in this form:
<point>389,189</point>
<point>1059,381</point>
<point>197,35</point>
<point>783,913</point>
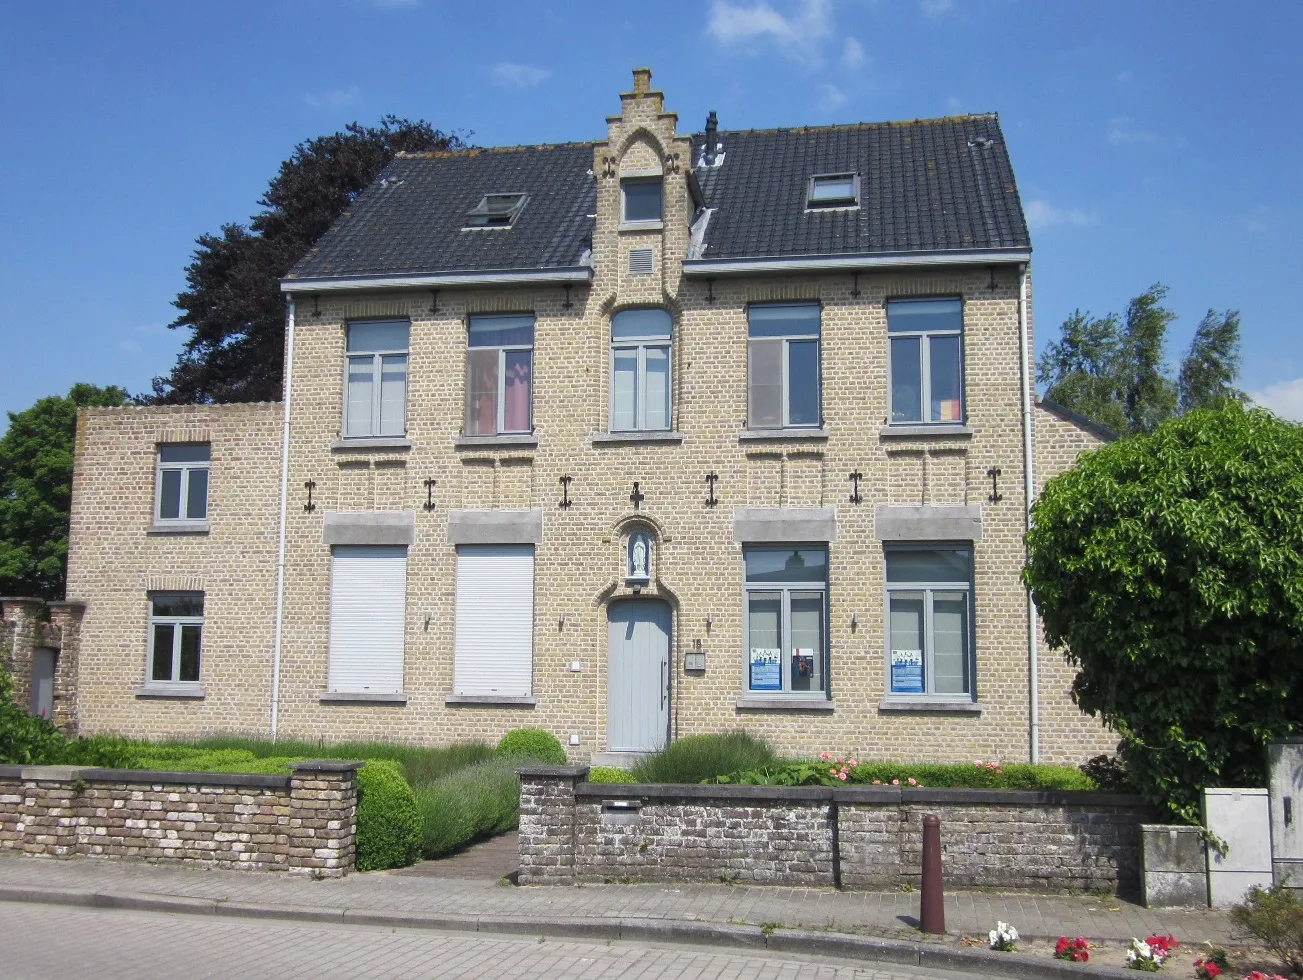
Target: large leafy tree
<point>232,305</point>
<point>1112,369</point>
<point>36,490</point>
<point>1170,568</point>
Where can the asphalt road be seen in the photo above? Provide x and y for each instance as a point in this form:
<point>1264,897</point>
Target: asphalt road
<point>46,942</point>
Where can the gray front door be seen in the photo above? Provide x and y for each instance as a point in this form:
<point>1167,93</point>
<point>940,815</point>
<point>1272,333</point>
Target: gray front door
<point>638,688</point>
<point>42,703</point>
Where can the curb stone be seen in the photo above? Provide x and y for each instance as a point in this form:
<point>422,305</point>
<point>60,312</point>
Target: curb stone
<point>841,945</point>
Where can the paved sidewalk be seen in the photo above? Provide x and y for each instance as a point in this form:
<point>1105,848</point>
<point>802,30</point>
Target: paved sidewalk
<point>448,902</point>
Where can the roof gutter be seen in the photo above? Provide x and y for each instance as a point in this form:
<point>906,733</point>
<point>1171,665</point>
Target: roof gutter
<point>581,273</point>
<point>851,263</point>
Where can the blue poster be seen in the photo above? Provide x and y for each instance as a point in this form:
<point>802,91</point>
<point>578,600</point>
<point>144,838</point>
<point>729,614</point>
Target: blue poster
<point>907,671</point>
<point>766,670</point>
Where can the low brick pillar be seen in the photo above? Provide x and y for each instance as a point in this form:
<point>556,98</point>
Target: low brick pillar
<point>67,617</point>
<point>24,616</point>
<point>323,817</point>
<point>547,823</point>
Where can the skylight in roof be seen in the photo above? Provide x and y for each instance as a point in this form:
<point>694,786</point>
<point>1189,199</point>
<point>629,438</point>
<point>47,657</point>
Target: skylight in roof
<point>496,211</point>
<point>834,191</point>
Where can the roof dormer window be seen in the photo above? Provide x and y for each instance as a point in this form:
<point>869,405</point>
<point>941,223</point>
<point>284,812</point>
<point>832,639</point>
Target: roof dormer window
<point>834,191</point>
<point>496,211</point>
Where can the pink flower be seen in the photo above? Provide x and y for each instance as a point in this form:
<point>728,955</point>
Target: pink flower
<point>913,781</point>
<point>895,782</point>
<point>977,762</point>
<point>825,755</point>
<point>842,775</point>
<point>852,763</point>
<point>877,782</point>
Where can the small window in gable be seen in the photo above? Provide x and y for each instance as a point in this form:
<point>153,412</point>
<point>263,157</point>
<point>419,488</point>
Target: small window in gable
<point>496,211</point>
<point>834,191</point>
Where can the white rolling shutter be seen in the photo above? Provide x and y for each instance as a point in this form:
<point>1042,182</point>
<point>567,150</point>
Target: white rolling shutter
<point>368,600</point>
<point>494,652</point>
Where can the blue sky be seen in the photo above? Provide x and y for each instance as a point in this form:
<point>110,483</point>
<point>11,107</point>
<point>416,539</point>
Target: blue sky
<point>1157,141</point>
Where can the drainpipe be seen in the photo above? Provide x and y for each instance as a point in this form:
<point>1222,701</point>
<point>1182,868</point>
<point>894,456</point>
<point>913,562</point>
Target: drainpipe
<point>280,548</point>
<point>1029,488</point>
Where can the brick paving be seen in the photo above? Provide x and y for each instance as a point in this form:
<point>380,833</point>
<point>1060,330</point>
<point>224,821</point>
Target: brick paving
<point>885,914</point>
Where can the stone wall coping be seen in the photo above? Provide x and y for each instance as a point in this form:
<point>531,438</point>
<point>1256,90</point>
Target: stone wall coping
<point>327,765</point>
<point>144,776</point>
<point>558,772</point>
<point>64,604</point>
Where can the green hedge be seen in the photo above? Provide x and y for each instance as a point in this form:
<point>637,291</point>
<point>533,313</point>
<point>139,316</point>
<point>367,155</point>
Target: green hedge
<point>610,774</point>
<point>533,743</point>
<point>472,802</point>
<point>702,757</point>
<point>388,823</point>
<point>1013,775</point>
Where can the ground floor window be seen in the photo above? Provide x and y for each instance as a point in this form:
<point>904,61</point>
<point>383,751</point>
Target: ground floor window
<point>786,617</point>
<point>176,630</point>
<point>929,621</point>
<point>368,607</point>
<point>494,621</point>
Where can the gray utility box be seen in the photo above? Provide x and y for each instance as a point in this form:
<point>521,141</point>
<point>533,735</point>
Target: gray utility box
<point>1285,775</point>
<point>1174,866</point>
<point>1240,817</point>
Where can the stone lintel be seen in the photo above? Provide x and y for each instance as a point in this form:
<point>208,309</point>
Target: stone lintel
<point>930,522</point>
<point>761,525</point>
<point>374,527</point>
<point>495,526</point>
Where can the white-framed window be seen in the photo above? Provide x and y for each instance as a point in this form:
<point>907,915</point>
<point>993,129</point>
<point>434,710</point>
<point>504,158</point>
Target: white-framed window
<point>494,621</point>
<point>786,596</point>
<point>181,483</point>
<point>783,365</point>
<point>833,191</point>
<point>929,622</point>
<point>640,370</point>
<point>927,360</point>
<point>375,403</point>
<point>640,199</point>
<point>500,374</point>
<point>368,614</point>
<point>176,632</point>
<point>496,211</point>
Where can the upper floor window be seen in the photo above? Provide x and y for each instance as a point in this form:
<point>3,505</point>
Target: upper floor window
<point>640,370</point>
<point>496,211</point>
<point>928,621</point>
<point>176,627</point>
<point>500,374</point>
<point>786,610</point>
<point>927,367</point>
<point>181,482</point>
<point>376,401</point>
<point>783,368</point>
<point>834,191</point>
<point>640,199</point>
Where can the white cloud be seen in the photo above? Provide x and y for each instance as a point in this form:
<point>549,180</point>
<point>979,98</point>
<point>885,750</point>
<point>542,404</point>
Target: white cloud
<point>853,55</point>
<point>512,75</point>
<point>798,33</point>
<point>1285,398</point>
<point>340,98</point>
<point>953,103</point>
<point>832,97</point>
<point>1122,130</point>
<point>1125,76</point>
<point>1042,214</point>
<point>936,8</point>
<point>148,335</point>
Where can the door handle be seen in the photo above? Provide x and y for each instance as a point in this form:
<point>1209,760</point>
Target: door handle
<point>664,682</point>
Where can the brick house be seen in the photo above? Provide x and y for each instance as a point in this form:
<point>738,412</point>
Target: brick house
<point>629,440</point>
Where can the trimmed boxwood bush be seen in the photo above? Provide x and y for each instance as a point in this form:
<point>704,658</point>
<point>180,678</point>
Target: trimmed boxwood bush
<point>388,824</point>
<point>701,757</point>
<point>473,802</point>
<point>534,743</point>
<point>610,774</point>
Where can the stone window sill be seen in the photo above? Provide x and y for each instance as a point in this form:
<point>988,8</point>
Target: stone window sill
<point>758,435</point>
<point>488,701</point>
<point>180,692</point>
<point>393,443</point>
<point>651,225</point>
<point>510,439</point>
<point>178,527</point>
<point>609,438</point>
<point>924,431</point>
<point>929,705</point>
<point>785,704</point>
<point>361,697</point>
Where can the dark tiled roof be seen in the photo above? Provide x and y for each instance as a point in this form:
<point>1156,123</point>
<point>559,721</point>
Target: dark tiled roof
<point>929,185</point>
<point>411,220</point>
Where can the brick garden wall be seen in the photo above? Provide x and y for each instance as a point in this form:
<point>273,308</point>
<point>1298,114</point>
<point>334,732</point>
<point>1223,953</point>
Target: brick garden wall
<point>856,837</point>
<point>303,822</point>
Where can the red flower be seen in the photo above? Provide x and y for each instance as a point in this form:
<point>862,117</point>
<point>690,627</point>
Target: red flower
<point>1072,949</point>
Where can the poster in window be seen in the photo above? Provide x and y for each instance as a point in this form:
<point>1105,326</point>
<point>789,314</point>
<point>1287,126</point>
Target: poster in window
<point>766,672</point>
<point>803,663</point>
<point>907,671</point>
